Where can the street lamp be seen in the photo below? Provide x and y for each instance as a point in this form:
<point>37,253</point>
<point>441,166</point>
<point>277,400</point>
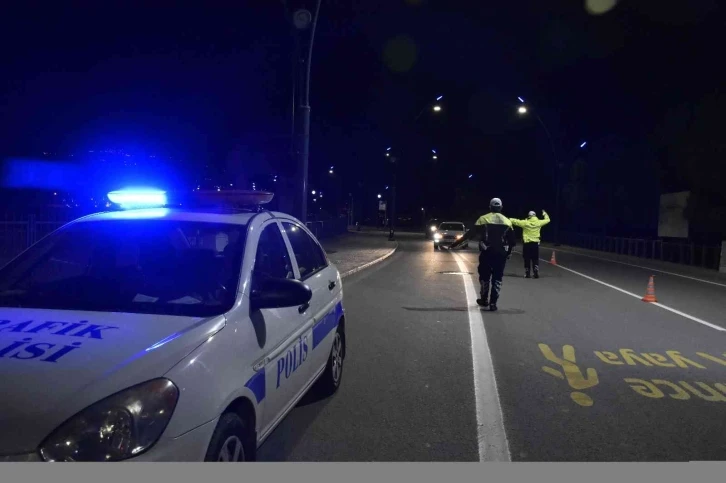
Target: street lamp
<point>437,108</point>
<point>379,196</point>
<point>304,22</point>
<point>522,109</point>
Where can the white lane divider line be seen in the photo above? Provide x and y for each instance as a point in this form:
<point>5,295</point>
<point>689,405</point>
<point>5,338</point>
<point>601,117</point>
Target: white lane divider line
<point>491,436</point>
<point>657,304</point>
<point>636,266</point>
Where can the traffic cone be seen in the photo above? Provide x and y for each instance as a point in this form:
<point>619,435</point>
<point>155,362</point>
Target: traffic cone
<point>650,293</point>
<point>553,259</point>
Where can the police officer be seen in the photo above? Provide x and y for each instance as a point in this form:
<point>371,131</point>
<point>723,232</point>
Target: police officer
<point>496,242</point>
<point>530,230</point>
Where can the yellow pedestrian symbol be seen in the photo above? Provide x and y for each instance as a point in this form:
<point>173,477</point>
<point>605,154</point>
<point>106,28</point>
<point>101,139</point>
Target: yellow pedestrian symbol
<point>572,373</point>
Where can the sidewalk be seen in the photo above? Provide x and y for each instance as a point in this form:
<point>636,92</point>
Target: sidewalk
<point>655,265</point>
<point>353,251</point>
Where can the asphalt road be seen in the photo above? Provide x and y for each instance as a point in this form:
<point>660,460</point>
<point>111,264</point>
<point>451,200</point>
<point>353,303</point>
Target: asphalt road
<point>584,372</point>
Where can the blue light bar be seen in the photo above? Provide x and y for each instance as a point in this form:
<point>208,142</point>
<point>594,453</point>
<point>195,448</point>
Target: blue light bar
<point>583,144</point>
<point>388,149</point>
<point>439,98</point>
<point>520,99</point>
<point>130,199</point>
<point>433,151</point>
<point>471,176</point>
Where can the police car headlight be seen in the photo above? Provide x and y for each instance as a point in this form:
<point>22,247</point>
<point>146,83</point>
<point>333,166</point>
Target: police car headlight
<point>433,228</point>
<point>459,236</point>
<point>437,236</point>
<point>116,428</point>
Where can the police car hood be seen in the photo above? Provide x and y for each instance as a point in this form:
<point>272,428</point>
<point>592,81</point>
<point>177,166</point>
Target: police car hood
<point>56,363</point>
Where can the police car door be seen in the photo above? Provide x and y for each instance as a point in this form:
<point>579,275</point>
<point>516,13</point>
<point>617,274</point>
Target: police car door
<point>281,331</point>
<point>315,271</point>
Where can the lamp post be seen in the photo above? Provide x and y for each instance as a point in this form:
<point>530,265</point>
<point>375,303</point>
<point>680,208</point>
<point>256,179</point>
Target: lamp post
<point>523,110</point>
<point>304,21</point>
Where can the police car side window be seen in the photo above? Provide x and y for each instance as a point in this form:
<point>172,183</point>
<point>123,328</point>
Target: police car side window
<point>272,258</point>
<point>310,258</point>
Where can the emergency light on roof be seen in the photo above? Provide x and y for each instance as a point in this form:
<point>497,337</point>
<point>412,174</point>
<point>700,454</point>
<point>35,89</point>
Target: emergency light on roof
<point>130,199</point>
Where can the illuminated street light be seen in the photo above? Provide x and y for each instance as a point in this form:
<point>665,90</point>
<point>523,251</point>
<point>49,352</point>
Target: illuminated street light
<point>331,171</point>
<point>521,100</point>
<point>439,98</point>
<point>522,110</point>
<point>435,157</point>
<point>437,108</point>
<point>313,191</point>
<point>583,144</point>
<point>471,176</point>
<point>379,196</point>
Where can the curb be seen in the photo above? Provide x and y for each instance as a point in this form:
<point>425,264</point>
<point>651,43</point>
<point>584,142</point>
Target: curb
<point>369,264</point>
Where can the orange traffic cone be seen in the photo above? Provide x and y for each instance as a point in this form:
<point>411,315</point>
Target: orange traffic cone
<point>553,259</point>
<point>650,293</point>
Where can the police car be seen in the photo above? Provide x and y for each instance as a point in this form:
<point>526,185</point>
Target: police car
<point>158,334</point>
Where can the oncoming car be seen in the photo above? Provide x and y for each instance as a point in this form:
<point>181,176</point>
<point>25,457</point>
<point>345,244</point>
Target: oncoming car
<point>160,334</point>
<point>447,233</point>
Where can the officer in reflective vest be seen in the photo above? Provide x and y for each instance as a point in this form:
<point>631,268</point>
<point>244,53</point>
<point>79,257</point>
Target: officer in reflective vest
<point>496,242</point>
<point>530,233</point>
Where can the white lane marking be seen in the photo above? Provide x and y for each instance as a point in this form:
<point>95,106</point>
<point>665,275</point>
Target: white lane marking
<point>637,266</point>
<point>665,307</point>
<point>366,265</point>
<point>491,436</point>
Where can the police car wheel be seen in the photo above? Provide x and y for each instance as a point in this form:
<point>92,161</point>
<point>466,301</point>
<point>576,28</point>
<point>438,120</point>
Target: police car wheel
<point>330,380</point>
<point>227,444</point>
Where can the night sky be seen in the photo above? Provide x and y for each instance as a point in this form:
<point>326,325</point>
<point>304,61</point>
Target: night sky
<point>642,84</point>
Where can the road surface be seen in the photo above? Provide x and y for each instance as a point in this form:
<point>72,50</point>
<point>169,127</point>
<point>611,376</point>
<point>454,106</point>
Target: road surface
<point>573,366</point>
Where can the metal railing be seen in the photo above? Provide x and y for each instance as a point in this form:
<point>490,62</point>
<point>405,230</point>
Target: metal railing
<point>328,228</point>
<point>705,256</point>
<point>19,231</point>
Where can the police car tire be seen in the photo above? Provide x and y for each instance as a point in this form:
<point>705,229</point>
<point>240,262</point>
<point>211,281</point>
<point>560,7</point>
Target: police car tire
<point>229,428</point>
<point>327,384</point>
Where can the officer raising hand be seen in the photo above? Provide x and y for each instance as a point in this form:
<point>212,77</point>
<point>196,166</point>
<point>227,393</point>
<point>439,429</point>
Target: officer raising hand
<point>496,242</point>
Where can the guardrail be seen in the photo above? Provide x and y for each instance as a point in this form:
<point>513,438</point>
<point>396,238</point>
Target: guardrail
<point>705,256</point>
<point>328,228</point>
<point>18,232</point>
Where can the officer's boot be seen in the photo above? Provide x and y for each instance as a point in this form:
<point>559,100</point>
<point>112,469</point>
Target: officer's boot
<point>496,289</point>
<point>536,271</point>
<point>484,300</point>
<point>526,273</point>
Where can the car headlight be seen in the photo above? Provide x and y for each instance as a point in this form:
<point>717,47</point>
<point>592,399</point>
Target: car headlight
<point>458,236</point>
<point>437,236</point>
<point>116,428</point>
<point>433,228</point>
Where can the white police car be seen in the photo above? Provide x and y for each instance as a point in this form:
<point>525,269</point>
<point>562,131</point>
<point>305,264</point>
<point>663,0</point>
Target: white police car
<point>159,334</point>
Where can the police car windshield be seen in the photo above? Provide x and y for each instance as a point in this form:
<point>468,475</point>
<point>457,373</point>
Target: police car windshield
<point>451,227</point>
<point>153,266</point>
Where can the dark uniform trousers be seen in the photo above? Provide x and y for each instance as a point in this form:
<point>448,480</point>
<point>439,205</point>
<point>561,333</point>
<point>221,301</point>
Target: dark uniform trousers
<point>491,272</point>
<point>530,252</point>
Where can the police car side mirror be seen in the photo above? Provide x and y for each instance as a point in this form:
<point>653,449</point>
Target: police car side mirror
<point>274,293</point>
